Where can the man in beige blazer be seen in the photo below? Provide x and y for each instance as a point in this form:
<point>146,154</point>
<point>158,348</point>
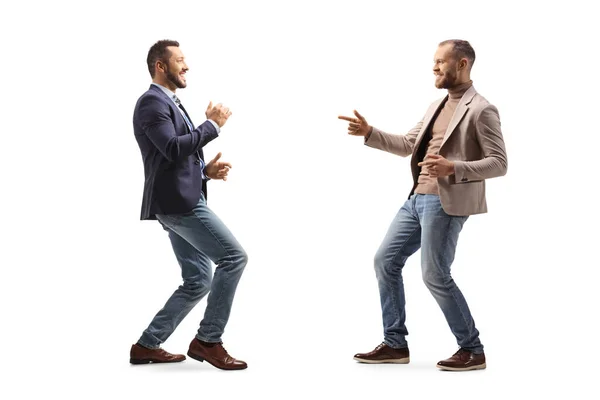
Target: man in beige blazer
<point>454,148</point>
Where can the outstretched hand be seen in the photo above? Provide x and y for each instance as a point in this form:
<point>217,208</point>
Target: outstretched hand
<point>357,126</point>
<point>216,169</point>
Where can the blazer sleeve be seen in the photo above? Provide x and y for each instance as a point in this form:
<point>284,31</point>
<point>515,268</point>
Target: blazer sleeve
<point>401,145</point>
<point>490,139</point>
<point>156,123</point>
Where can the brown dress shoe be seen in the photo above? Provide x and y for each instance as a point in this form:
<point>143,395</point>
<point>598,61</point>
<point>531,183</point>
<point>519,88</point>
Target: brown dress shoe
<point>142,355</point>
<point>463,360</point>
<point>215,354</point>
<point>384,354</point>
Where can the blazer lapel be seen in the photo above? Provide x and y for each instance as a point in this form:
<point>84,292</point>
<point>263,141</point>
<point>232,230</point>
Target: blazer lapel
<point>433,110</point>
<point>172,104</point>
<point>459,113</point>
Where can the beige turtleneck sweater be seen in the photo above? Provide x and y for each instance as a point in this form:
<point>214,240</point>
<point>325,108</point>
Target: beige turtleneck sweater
<point>425,183</point>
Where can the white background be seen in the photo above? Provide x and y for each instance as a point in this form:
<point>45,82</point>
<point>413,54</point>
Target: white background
<point>81,276</point>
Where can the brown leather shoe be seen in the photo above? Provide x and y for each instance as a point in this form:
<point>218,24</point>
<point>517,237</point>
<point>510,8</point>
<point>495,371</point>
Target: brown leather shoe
<point>384,354</point>
<point>142,355</point>
<point>463,360</point>
<point>215,354</point>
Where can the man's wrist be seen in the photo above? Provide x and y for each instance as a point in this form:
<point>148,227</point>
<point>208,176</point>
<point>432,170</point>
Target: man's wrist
<point>205,173</point>
<point>215,125</point>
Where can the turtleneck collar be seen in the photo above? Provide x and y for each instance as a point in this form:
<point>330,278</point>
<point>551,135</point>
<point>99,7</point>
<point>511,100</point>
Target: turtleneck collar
<point>458,91</point>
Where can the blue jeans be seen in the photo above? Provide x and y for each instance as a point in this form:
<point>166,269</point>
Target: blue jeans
<point>422,223</point>
<point>199,237</point>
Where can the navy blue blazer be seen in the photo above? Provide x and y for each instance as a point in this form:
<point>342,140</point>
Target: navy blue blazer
<point>173,179</point>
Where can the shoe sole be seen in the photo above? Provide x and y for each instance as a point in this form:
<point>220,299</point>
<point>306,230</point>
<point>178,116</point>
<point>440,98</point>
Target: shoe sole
<point>390,361</point>
<point>137,361</point>
<point>198,358</point>
<point>471,368</point>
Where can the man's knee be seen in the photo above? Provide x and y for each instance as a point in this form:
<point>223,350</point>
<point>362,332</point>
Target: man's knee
<point>197,287</point>
<point>434,279</point>
<point>383,263</point>
<point>240,258</point>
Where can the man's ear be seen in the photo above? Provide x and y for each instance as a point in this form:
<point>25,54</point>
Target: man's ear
<point>159,66</point>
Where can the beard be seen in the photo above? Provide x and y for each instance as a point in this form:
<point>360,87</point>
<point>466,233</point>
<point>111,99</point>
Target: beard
<point>175,79</point>
<point>447,81</point>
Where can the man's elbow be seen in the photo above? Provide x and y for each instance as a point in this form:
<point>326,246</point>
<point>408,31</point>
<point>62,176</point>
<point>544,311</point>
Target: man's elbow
<point>173,151</point>
<point>502,166</point>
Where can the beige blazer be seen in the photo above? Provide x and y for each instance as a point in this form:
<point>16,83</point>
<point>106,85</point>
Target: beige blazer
<point>473,141</point>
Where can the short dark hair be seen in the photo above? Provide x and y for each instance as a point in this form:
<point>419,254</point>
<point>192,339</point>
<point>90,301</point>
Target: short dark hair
<point>159,51</point>
<point>461,49</point>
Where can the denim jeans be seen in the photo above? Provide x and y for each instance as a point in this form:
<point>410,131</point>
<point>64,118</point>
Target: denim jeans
<point>199,237</point>
<point>422,223</point>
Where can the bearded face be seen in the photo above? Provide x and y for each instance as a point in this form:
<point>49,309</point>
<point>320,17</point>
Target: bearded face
<point>445,67</point>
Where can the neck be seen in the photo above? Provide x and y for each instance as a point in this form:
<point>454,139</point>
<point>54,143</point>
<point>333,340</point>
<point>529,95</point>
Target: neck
<point>165,83</point>
<point>457,90</point>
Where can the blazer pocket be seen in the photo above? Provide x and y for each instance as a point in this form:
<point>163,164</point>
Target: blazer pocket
<point>455,181</point>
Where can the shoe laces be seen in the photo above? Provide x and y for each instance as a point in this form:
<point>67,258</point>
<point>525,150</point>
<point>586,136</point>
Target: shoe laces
<point>225,351</point>
<point>461,352</point>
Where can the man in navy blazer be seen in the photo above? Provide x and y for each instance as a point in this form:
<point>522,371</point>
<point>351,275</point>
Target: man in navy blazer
<point>171,154</point>
<point>175,195</point>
